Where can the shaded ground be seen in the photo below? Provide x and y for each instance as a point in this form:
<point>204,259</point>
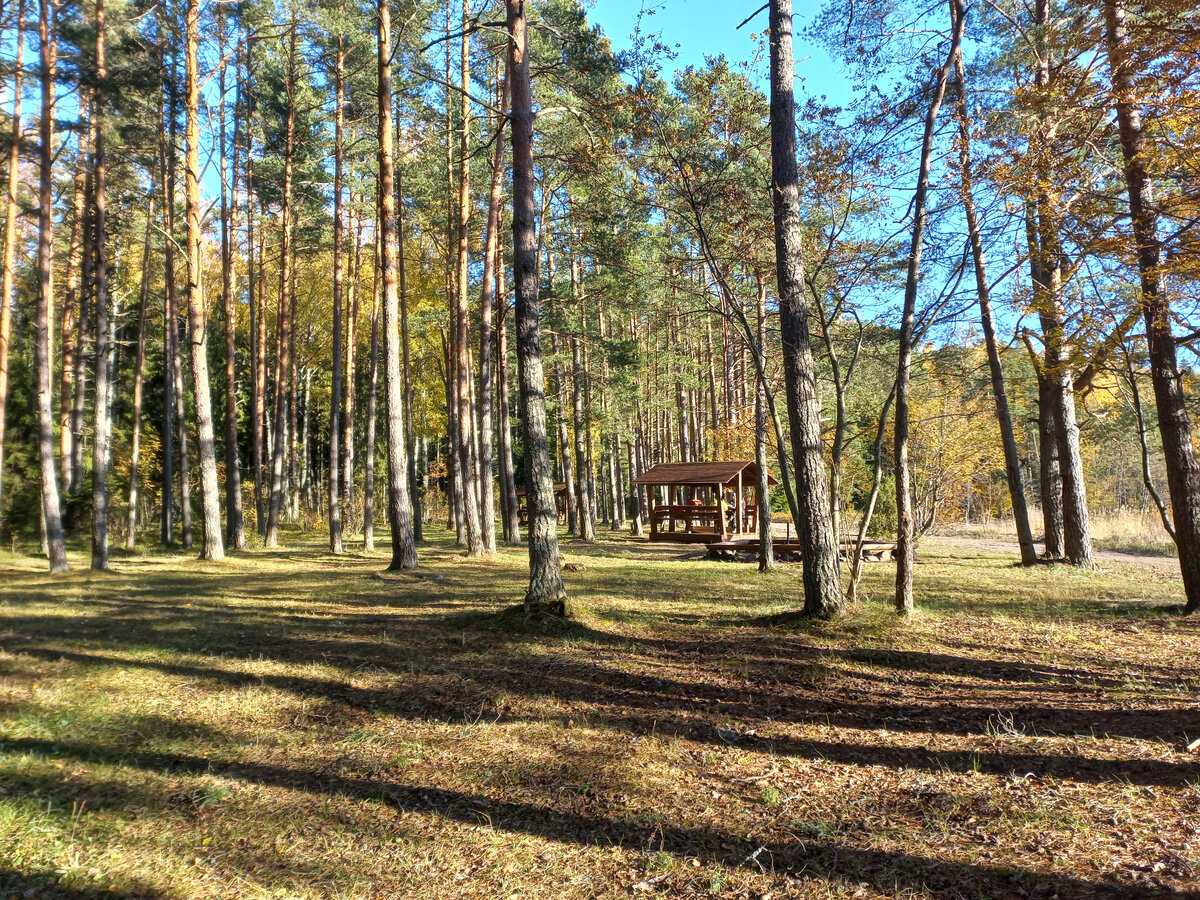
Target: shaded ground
<point>293,725</point>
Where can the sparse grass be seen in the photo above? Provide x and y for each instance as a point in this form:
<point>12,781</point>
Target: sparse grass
<point>1138,533</point>
<point>286,724</point>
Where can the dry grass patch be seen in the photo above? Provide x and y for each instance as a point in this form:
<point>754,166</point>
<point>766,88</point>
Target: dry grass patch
<point>292,725</point>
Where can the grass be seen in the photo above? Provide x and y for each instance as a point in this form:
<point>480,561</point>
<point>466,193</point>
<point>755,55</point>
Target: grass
<point>292,725</point>
<point>1139,533</point>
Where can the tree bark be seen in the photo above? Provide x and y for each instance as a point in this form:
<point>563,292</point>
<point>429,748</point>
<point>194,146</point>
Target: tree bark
<point>1174,424</point>
<point>139,380</point>
<point>461,318</point>
<point>293,403</point>
<point>1050,476</point>
<point>564,444</point>
<point>546,592</point>
<point>51,512</point>
<point>1046,269</point>
<point>372,403</point>
<point>587,522</point>
<point>1012,457</point>
<point>235,526</point>
<point>10,232</point>
<point>76,331</point>
<point>348,391</point>
<point>167,435</point>
<point>486,314</point>
<point>258,319</point>
<point>404,549</point>
<point>904,510</point>
<point>307,486</point>
<point>822,589</point>
<point>179,414</point>
<point>1060,393</point>
<point>635,496</point>
<point>335,389</point>
<point>101,433</point>
<point>508,478</point>
<point>281,314</point>
<point>766,548</point>
<point>213,546</point>
<point>415,490</point>
<point>67,322</point>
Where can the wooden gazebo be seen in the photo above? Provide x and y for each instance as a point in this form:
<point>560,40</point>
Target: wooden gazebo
<point>705,501</point>
<point>560,504</point>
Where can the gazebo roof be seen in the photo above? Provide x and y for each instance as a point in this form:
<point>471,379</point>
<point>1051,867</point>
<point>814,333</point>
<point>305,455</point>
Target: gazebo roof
<point>715,472</point>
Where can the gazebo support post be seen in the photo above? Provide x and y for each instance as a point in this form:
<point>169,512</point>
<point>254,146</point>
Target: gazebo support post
<point>738,507</point>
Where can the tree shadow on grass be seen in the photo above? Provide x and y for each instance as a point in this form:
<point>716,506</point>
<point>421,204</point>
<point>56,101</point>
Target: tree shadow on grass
<point>782,853</point>
<point>48,886</point>
<point>642,705</point>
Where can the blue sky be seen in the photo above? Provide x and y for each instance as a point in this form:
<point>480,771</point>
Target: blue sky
<point>709,27</point>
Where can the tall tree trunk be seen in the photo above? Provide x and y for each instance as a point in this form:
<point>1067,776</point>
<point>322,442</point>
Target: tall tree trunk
<point>455,465</point>
<point>593,493</point>
<point>546,591</point>
<point>79,331</point>
<point>348,392</point>
<point>139,380</point>
<point>1174,425</point>
<point>1046,267</point>
<point>235,526</point>
<point>415,488</point>
<point>457,520</point>
<point>819,548</point>
<point>1050,477</point>
<point>51,513</point>
<point>404,549</point>
<point>166,179</point>
<point>258,318</point>
<point>462,318</point>
<point>1012,457</point>
<point>173,324</point>
<point>335,389</point>
<point>293,404</point>
<point>307,489</point>
<point>10,232</point>
<point>180,419</point>
<point>1077,541</point>
<point>281,314</point>
<point>101,432</point>
<point>508,480</point>
<point>372,395</point>
<point>635,501</point>
<point>67,323</point>
<point>766,548</point>
<point>681,405</point>
<point>213,546</point>
<point>904,510</point>
<point>574,512</point>
<point>587,523</point>
<point>486,314</point>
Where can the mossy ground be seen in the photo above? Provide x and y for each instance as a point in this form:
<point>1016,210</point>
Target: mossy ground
<point>289,724</point>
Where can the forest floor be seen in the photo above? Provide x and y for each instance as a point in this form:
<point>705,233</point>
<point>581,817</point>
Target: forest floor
<point>292,725</point>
